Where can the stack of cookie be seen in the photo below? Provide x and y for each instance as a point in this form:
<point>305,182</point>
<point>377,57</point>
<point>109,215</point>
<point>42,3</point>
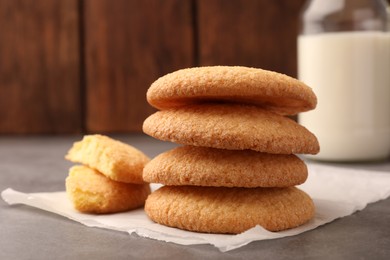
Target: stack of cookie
<point>110,179</point>
<point>237,167</point>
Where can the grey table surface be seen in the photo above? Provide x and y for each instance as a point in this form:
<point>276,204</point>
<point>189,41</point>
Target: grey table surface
<point>36,164</point>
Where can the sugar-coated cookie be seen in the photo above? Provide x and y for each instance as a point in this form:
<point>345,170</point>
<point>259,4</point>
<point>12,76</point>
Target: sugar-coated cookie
<point>271,90</point>
<point>232,127</point>
<point>229,210</point>
<point>117,160</point>
<point>92,192</point>
<point>201,166</point>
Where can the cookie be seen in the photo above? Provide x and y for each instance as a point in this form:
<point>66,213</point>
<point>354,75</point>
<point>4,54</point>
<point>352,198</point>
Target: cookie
<point>232,127</point>
<point>92,192</point>
<point>116,160</point>
<point>229,210</point>
<point>271,90</point>
<point>200,166</point>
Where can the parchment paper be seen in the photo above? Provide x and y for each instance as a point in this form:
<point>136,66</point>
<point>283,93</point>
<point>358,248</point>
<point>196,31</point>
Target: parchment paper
<point>337,192</point>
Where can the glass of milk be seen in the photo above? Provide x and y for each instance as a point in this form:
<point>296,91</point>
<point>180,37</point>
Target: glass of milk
<point>344,55</point>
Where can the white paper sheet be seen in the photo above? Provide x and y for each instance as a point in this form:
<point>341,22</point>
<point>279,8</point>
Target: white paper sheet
<point>337,192</point>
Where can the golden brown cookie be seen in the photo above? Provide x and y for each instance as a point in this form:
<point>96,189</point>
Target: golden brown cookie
<point>229,210</point>
<point>117,160</point>
<point>271,90</point>
<point>200,166</point>
<point>92,192</point>
<point>232,127</point>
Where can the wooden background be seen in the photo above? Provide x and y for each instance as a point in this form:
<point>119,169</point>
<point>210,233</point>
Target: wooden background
<point>83,66</point>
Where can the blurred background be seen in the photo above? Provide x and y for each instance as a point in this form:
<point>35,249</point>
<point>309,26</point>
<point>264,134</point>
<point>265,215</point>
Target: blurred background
<point>84,66</point>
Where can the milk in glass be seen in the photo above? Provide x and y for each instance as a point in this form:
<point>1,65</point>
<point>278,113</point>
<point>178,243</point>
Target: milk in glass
<point>350,74</point>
